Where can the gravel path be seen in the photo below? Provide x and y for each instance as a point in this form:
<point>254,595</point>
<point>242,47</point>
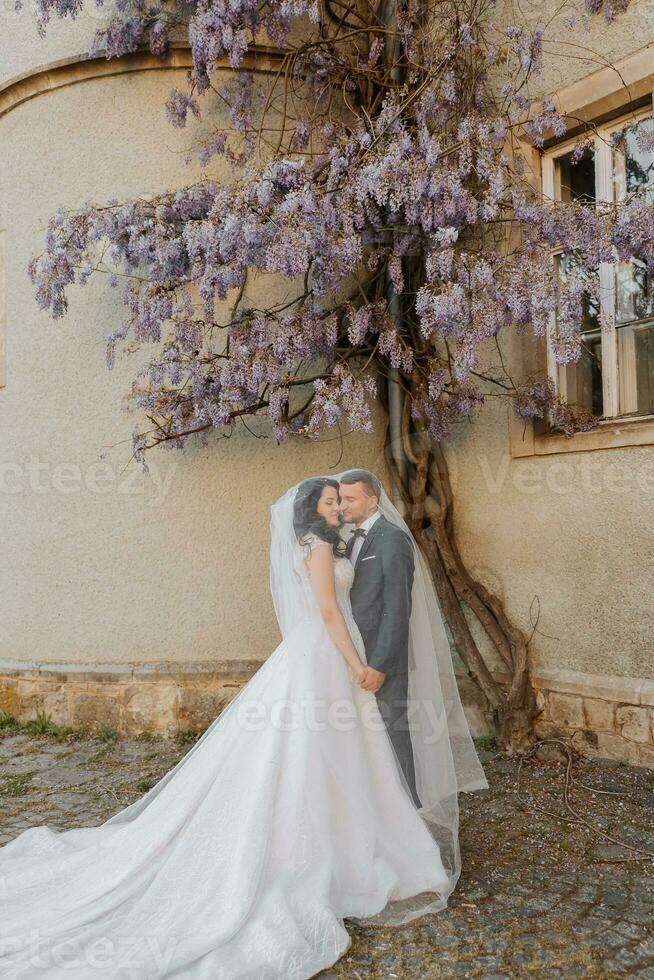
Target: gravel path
<point>539,896</point>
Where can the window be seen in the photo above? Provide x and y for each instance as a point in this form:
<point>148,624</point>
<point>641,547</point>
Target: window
<point>614,376</point>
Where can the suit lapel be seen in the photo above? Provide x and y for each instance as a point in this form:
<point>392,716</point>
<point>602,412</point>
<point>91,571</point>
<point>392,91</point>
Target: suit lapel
<point>366,541</point>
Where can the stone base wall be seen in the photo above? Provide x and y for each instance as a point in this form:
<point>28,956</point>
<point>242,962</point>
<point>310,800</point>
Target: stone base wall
<point>605,717</point>
<point>130,698</point>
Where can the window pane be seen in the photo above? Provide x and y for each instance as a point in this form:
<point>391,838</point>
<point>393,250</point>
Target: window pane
<point>636,368</point>
<point>580,383</point>
<point>634,292</point>
<point>575,179</point>
<point>633,161</point>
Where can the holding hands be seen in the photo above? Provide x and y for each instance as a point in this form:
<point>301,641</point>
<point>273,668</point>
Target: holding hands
<point>370,679</point>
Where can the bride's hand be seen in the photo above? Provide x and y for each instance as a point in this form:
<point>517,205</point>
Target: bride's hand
<point>373,679</point>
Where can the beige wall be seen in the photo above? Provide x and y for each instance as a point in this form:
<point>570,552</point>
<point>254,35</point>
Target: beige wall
<point>590,45</point>
<point>557,537</point>
<point>22,49</point>
<point>171,567</point>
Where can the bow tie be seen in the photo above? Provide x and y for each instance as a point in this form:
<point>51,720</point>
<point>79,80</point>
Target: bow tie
<point>358,533</point>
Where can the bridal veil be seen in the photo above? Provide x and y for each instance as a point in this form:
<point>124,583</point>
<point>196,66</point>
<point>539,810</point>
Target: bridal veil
<point>445,757</point>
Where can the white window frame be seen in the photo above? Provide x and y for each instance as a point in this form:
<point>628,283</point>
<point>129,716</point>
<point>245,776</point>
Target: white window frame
<point>604,189</point>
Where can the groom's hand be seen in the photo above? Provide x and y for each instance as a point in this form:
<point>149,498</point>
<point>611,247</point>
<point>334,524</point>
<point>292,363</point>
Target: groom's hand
<point>371,679</point>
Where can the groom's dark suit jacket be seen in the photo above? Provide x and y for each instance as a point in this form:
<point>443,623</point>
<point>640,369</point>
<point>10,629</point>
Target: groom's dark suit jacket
<point>381,595</point>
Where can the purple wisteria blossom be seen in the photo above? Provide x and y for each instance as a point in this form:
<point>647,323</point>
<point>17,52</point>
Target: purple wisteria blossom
<point>376,176</point>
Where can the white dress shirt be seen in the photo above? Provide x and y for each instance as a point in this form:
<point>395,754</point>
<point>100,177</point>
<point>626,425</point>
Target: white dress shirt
<point>358,541</point>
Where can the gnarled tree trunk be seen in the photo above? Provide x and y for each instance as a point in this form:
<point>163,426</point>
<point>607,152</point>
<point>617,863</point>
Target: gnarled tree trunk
<point>421,476</point>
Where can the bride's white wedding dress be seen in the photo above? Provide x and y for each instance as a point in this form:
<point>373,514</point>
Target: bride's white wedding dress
<point>286,816</point>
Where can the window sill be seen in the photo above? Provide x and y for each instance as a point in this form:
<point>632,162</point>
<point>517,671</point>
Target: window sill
<point>526,439</point>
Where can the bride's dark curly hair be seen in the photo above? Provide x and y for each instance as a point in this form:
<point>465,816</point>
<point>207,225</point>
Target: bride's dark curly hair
<point>307,520</point>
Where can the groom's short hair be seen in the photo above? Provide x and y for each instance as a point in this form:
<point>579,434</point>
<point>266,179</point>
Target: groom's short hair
<point>369,480</point>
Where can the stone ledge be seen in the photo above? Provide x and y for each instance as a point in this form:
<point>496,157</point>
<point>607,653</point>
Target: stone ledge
<point>83,68</point>
<point>70,669</point>
<point>606,717</point>
<point>608,687</point>
<point>632,690</point>
<point>133,698</point>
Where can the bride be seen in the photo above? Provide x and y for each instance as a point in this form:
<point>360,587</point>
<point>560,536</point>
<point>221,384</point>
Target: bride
<point>289,814</point>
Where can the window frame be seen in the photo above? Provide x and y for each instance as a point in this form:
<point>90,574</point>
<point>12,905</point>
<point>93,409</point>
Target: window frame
<point>600,96</point>
<point>612,378</point>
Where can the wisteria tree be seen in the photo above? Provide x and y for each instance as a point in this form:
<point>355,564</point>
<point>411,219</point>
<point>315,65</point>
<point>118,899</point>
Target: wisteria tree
<point>378,167</point>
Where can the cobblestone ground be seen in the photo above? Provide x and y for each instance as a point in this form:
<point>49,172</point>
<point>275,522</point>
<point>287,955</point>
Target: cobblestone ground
<point>539,896</point>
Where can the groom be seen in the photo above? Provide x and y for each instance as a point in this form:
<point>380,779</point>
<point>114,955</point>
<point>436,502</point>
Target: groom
<point>382,556</point>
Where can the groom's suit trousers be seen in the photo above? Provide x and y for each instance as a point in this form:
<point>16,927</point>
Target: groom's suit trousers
<point>381,606</point>
<point>392,704</point>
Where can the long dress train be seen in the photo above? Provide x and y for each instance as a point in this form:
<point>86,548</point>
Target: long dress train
<point>285,817</point>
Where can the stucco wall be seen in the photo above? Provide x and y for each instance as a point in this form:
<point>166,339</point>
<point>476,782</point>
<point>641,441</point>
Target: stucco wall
<point>567,539</point>
<point>22,49</point>
<point>580,44</point>
<point>101,563</point>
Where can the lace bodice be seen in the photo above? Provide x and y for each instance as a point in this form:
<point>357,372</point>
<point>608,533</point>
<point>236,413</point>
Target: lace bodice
<point>343,570</point>
<point>343,577</point>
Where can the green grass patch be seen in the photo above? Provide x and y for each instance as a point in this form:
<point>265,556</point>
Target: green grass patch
<point>17,785</point>
<point>189,735</point>
<point>43,725</point>
<point>8,724</point>
<point>486,743</point>
<point>105,733</point>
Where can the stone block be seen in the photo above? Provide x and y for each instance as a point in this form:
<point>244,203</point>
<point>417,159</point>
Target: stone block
<point>646,692</point>
<point>33,698</point>
<point>477,720</point>
<point>91,710</point>
<point>149,709</point>
<point>198,707</point>
<point>546,729</point>
<point>9,697</point>
<point>602,745</point>
<point>474,707</point>
<point>585,743</point>
<point>600,715</point>
<point>55,704</point>
<point>566,710</point>
<point>616,747</point>
<point>634,722</point>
